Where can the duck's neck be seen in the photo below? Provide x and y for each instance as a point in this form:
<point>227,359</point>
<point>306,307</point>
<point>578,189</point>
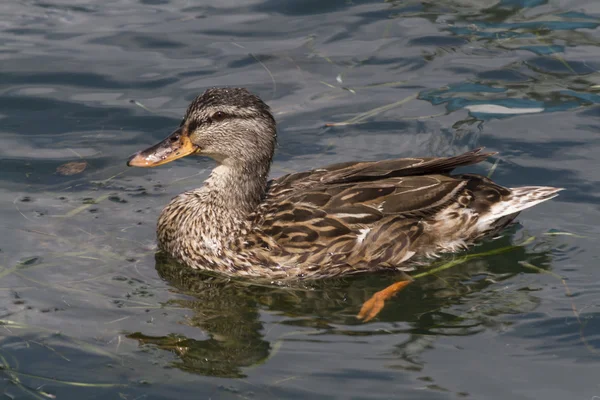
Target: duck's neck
<point>236,188</point>
<point>207,219</point>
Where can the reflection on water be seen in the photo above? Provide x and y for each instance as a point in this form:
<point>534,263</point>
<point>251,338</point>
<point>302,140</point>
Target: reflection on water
<point>455,302</point>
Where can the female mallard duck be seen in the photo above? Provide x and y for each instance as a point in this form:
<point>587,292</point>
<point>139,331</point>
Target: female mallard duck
<point>340,219</point>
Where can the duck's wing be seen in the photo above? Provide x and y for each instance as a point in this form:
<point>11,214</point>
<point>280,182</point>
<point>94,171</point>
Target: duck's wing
<point>362,213</point>
<point>364,172</point>
<point>354,172</point>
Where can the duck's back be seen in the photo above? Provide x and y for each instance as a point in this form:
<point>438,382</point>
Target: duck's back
<point>352,217</point>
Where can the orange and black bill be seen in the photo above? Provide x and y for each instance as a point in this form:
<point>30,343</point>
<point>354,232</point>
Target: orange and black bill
<point>176,145</point>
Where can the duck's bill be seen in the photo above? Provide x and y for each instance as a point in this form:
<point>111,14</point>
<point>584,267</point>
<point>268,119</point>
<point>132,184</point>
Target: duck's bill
<point>175,146</point>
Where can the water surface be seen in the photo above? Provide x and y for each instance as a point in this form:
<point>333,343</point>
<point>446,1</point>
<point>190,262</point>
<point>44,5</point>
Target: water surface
<point>90,311</point>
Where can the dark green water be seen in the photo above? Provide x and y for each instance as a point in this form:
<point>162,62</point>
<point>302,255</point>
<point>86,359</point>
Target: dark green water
<point>89,312</point>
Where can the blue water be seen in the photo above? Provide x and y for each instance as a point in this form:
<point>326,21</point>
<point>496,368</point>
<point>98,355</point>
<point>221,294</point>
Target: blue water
<point>90,312</point>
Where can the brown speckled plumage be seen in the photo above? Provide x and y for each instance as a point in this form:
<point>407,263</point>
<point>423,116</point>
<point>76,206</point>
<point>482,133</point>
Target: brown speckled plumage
<point>339,219</point>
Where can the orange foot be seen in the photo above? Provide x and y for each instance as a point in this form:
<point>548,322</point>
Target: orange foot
<point>375,304</point>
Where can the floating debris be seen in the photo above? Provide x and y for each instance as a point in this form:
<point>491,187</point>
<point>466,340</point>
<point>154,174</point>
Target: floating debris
<point>143,107</point>
<point>373,112</point>
<point>72,168</point>
<point>496,109</point>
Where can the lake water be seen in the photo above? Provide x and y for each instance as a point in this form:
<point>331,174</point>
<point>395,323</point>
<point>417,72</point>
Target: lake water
<point>90,312</point>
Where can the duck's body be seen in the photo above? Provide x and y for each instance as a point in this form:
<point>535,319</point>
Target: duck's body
<point>340,219</point>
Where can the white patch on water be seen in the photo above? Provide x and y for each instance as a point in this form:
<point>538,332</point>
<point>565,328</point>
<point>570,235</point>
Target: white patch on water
<point>496,109</point>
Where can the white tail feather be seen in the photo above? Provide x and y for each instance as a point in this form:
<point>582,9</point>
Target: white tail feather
<point>520,199</point>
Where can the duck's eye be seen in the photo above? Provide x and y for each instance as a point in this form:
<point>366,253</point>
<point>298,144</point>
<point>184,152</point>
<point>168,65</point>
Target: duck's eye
<point>218,116</point>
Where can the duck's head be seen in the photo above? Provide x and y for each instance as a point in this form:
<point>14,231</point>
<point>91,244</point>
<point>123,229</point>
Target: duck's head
<point>230,125</point>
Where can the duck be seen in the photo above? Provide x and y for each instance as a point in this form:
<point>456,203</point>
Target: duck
<point>336,220</point>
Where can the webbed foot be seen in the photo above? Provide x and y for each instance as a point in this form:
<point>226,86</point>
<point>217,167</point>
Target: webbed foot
<point>375,304</point>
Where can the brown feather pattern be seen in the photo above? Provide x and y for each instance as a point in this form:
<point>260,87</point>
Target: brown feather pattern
<point>340,219</point>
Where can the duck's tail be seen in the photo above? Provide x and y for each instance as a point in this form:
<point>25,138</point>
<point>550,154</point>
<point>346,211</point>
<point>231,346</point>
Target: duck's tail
<point>520,199</point>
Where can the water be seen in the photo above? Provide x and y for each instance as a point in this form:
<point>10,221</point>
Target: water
<point>89,311</point>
